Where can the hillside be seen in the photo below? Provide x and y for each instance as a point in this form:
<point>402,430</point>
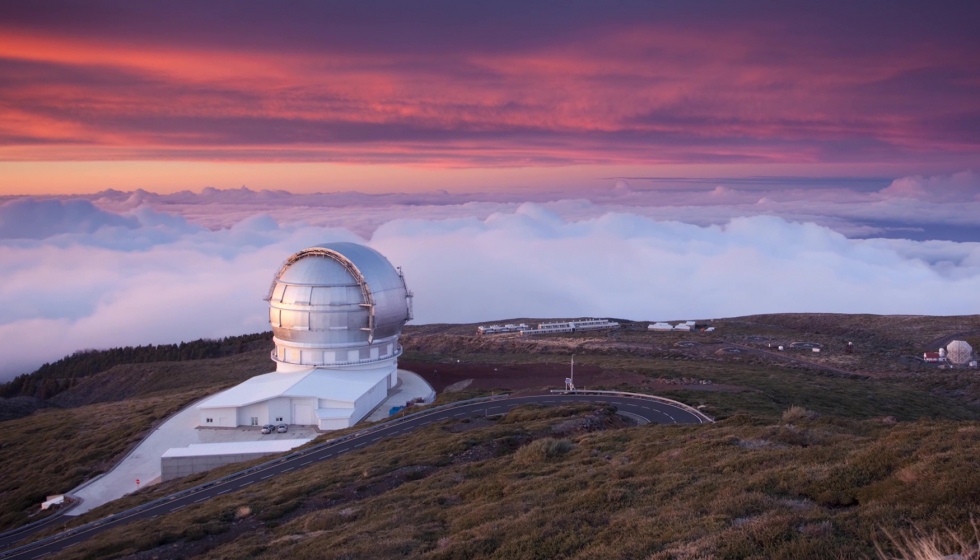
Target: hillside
<point>884,427</point>
<point>571,483</point>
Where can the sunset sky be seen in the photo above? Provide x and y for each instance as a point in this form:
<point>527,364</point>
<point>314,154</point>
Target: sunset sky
<point>466,96</point>
<point>638,160</point>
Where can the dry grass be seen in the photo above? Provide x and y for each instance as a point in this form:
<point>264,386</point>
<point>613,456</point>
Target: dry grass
<point>54,450</point>
<point>945,545</point>
<point>798,414</point>
<point>824,489</point>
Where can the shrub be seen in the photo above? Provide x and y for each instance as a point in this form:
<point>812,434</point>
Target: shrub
<point>544,449</point>
<point>798,413</point>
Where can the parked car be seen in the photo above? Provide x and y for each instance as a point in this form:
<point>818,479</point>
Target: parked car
<point>268,429</point>
<point>282,428</point>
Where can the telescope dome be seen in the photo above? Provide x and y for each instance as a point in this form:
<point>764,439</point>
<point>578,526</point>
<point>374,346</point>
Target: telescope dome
<point>338,295</point>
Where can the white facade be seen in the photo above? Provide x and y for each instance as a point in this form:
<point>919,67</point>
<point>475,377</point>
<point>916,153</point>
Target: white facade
<point>336,312</point>
<point>571,326</point>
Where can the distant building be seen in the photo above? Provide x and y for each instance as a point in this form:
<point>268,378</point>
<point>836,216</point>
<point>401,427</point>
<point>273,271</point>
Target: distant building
<point>932,357</point>
<point>683,327</point>
<point>661,327</point>
<point>500,329</point>
<point>959,352</point>
<point>572,326</point>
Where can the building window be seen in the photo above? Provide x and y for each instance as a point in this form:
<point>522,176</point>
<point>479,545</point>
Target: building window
<point>255,421</point>
<point>209,420</point>
<point>279,419</point>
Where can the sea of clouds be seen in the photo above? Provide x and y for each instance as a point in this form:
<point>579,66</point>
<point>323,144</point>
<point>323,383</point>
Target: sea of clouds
<point>135,268</point>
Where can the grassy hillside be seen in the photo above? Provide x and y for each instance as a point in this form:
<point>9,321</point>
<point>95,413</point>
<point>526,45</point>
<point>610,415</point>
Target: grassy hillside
<point>56,449</point>
<point>890,444</point>
<point>54,378</point>
<point>571,483</point>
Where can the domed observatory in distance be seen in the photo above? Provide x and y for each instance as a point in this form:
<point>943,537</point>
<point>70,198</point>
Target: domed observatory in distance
<point>336,312</point>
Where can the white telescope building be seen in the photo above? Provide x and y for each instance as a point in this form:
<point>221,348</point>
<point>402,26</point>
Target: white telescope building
<point>336,311</point>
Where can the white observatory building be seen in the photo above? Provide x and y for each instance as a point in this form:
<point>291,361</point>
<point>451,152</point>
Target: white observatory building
<point>336,312</point>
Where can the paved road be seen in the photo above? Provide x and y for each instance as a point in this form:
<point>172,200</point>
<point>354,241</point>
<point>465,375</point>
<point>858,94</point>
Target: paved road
<point>651,411</point>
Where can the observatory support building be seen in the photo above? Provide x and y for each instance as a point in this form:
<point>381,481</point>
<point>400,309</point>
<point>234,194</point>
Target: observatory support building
<point>336,312</point>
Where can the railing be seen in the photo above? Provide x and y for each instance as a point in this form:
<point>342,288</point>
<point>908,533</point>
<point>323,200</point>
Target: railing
<point>398,352</point>
<point>702,417</point>
<point>227,478</point>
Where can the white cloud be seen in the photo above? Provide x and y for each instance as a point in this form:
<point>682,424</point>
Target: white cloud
<point>87,278</point>
<point>960,187</point>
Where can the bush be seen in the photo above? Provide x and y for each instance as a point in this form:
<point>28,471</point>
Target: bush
<point>544,449</point>
<point>798,413</point>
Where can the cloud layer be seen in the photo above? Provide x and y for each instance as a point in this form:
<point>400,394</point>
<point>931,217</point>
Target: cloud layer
<point>94,278</point>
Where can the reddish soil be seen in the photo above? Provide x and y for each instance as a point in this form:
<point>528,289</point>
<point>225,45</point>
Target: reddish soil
<point>519,377</point>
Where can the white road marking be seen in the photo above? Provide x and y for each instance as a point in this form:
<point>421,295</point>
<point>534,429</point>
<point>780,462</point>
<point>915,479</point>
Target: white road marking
<point>287,470</point>
<point>360,444</point>
<point>201,500</point>
<point>306,463</point>
<point>267,476</point>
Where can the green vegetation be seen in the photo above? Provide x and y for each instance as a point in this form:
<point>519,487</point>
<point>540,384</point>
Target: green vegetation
<point>51,379</point>
<point>52,451</point>
<point>745,487</point>
<point>55,450</point>
<point>827,455</point>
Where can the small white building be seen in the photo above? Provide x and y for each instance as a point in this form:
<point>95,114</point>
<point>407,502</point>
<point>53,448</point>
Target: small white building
<point>336,312</point>
<point>660,327</point>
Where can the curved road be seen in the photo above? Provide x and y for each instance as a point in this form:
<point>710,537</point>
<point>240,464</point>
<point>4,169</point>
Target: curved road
<point>640,408</point>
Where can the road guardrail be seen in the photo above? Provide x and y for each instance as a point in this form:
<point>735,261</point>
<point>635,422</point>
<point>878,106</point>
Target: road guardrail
<point>702,417</point>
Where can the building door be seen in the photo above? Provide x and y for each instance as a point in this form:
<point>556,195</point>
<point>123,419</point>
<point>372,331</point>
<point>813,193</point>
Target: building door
<point>302,414</point>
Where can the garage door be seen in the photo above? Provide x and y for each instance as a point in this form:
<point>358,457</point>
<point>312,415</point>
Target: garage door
<point>302,414</point>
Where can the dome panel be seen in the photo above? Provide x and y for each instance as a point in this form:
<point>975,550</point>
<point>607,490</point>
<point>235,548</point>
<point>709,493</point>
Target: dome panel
<point>317,271</point>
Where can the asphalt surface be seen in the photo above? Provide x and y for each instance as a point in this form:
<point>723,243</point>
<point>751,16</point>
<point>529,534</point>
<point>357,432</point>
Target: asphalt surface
<point>637,407</point>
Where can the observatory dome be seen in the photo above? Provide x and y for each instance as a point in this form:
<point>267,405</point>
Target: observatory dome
<point>336,296</point>
<point>959,352</point>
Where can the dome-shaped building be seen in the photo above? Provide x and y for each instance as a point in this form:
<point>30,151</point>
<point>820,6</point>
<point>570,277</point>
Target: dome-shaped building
<point>336,312</point>
<point>959,352</point>
<point>336,305</point>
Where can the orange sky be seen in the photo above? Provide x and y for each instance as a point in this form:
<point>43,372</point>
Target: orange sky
<point>130,98</point>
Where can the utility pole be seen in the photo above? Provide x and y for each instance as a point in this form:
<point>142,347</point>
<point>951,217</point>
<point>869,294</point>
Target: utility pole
<point>570,380</point>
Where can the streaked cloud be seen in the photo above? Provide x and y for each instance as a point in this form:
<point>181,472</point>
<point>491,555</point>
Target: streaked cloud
<point>490,86</point>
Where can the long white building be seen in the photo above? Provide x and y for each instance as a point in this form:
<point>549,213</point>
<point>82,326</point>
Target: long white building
<point>336,312</point>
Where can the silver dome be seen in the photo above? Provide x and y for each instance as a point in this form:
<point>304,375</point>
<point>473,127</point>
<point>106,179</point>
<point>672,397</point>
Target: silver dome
<point>338,295</point>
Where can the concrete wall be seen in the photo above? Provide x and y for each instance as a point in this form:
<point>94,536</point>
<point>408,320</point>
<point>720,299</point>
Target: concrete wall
<point>334,424</point>
<point>176,467</point>
<point>369,400</point>
<point>257,410</point>
<point>280,408</point>
<point>221,417</point>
